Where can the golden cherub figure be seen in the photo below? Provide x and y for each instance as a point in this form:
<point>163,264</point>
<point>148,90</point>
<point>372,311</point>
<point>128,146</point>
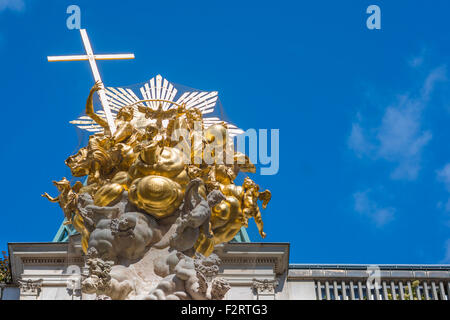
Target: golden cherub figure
<point>250,205</point>
<point>67,197</point>
<point>151,145</point>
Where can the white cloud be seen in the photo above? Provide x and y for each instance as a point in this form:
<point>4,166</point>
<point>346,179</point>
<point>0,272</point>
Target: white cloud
<point>444,206</point>
<point>418,60</point>
<point>13,5</point>
<point>370,208</point>
<point>443,175</point>
<point>399,138</point>
<point>357,141</point>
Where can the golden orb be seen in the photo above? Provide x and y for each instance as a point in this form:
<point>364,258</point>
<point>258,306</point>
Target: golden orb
<point>159,196</point>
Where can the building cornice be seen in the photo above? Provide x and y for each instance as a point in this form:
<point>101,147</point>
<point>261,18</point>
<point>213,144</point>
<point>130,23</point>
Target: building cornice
<point>43,254</point>
<point>250,254</point>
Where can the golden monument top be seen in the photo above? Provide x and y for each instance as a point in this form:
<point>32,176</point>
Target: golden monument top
<point>91,57</point>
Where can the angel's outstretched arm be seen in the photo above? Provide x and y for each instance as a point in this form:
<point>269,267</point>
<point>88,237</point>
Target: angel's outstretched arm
<point>46,195</point>
<point>90,107</point>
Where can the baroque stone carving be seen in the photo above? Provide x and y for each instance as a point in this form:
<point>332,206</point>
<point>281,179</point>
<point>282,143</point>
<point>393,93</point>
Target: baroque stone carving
<point>151,212</point>
<point>265,286</point>
<point>130,256</point>
<point>30,287</point>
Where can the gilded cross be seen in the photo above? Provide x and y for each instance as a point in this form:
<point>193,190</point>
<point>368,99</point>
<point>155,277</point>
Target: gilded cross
<point>91,57</point>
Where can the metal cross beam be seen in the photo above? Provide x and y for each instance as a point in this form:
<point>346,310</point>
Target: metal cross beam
<point>91,57</point>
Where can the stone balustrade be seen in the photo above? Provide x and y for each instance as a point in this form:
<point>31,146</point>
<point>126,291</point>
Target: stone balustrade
<point>370,282</point>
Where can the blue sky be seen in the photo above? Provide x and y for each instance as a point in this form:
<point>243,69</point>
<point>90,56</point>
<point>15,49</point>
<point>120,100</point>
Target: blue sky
<point>363,114</point>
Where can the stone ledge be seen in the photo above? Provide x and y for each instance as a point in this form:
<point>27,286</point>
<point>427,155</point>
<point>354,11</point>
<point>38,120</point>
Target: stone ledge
<point>254,253</point>
<point>317,274</point>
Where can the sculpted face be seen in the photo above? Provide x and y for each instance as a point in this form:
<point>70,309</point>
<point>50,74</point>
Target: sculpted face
<point>249,183</point>
<point>62,185</point>
<point>126,113</point>
<point>78,163</point>
<point>151,130</point>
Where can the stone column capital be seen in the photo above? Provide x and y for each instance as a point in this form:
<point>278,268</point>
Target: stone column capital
<point>265,286</point>
<point>30,288</point>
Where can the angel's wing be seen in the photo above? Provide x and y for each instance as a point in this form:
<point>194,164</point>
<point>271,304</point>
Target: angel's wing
<point>143,109</point>
<point>265,197</point>
<point>170,113</point>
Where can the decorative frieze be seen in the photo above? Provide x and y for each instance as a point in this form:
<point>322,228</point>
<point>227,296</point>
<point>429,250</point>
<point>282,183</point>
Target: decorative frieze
<point>252,261</point>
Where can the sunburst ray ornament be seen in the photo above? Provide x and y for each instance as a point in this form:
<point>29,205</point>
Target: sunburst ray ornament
<point>157,91</point>
<point>91,57</point>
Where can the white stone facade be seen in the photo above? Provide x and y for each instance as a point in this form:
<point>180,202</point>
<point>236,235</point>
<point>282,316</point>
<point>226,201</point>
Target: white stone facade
<point>256,271</point>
